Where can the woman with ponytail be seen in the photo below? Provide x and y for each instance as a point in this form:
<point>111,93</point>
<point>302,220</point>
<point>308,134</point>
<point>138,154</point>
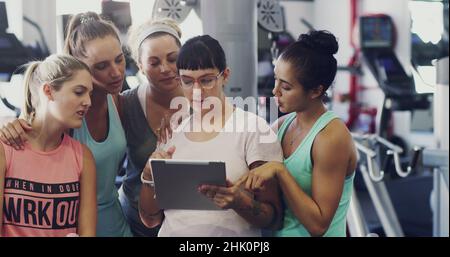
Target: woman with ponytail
<point>48,188</point>
<point>316,176</point>
<point>96,42</point>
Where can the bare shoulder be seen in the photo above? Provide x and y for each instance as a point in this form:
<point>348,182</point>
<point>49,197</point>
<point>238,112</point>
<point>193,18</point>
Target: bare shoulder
<point>2,161</point>
<point>277,124</point>
<point>87,152</point>
<point>2,153</point>
<point>335,136</point>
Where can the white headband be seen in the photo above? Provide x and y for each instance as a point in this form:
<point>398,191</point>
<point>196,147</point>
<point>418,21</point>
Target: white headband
<point>155,29</point>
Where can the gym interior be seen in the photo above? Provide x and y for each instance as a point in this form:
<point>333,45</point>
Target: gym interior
<point>391,86</point>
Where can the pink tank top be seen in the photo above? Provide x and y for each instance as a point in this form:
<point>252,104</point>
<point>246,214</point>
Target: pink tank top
<point>41,196</point>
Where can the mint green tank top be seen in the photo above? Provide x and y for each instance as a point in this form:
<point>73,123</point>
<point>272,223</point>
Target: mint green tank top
<point>300,166</point>
<point>108,156</point>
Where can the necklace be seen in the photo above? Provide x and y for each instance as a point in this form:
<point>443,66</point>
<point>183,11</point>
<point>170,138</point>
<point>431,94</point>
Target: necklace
<point>295,136</point>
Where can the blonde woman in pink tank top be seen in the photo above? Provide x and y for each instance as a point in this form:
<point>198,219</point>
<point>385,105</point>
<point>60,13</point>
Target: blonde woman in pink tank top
<point>48,189</point>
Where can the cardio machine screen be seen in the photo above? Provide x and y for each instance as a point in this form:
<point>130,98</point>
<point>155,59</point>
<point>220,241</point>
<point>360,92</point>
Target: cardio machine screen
<point>376,32</point>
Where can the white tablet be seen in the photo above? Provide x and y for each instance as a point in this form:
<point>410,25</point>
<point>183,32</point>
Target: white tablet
<point>177,181</point>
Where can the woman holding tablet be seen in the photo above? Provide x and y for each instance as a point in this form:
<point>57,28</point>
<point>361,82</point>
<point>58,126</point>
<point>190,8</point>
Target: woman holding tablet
<point>216,130</point>
<point>154,45</point>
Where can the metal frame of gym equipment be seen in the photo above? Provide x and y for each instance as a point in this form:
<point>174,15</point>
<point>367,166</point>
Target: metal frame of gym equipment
<point>373,175</point>
<point>437,159</point>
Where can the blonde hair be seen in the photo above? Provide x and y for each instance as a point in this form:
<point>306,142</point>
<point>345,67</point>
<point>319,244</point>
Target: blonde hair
<point>84,27</point>
<point>54,70</point>
<point>135,33</point>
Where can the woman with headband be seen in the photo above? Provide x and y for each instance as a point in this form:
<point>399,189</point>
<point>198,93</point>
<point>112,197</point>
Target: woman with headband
<point>154,46</point>
<point>216,130</point>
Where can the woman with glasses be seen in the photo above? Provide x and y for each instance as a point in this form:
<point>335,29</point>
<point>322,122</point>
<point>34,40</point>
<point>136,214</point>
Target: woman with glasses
<point>233,136</point>
<point>143,111</point>
<point>154,46</point>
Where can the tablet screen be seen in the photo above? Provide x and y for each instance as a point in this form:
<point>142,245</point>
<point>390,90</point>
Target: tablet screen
<point>177,181</point>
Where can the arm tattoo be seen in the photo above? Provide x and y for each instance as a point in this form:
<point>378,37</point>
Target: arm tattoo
<point>256,208</point>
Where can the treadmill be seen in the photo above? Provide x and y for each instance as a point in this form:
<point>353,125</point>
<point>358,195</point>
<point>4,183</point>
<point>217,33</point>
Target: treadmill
<point>377,39</point>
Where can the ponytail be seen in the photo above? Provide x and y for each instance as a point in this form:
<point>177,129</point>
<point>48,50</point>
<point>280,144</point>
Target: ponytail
<point>29,106</point>
<point>54,71</point>
<point>84,27</point>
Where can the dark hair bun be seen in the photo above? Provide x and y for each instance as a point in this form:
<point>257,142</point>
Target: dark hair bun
<point>320,41</point>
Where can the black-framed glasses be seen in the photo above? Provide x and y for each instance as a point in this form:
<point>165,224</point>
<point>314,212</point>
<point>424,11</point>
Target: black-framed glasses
<point>206,82</point>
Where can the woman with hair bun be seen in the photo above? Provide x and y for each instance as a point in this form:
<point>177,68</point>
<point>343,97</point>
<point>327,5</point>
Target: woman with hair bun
<point>316,176</point>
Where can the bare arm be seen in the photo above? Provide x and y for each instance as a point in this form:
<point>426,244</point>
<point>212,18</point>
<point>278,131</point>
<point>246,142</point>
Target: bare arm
<point>331,154</point>
<point>2,184</point>
<point>87,219</point>
<point>263,210</point>
<point>149,211</point>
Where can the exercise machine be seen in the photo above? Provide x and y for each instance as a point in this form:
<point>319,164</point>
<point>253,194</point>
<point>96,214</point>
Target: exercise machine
<point>377,37</point>
<point>373,174</point>
<point>12,55</point>
<point>437,159</point>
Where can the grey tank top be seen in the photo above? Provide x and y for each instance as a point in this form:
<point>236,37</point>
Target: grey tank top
<point>141,143</point>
